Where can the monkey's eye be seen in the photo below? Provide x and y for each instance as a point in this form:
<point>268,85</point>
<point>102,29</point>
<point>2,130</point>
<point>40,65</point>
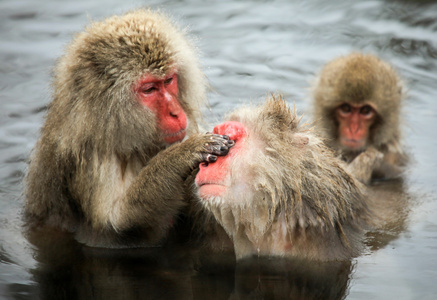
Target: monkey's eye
<point>345,108</point>
<point>366,110</point>
<point>168,80</point>
<point>148,90</point>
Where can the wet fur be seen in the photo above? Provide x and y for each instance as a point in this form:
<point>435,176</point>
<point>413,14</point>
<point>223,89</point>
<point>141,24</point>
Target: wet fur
<point>87,171</point>
<point>287,194</point>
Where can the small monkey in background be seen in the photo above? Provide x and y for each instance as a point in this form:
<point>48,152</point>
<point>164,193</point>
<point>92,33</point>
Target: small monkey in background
<point>280,191</point>
<point>111,162</point>
<point>357,102</point>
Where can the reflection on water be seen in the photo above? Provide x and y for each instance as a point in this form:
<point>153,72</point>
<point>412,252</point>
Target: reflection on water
<point>249,49</point>
<point>67,270</point>
<point>392,205</point>
<point>281,279</point>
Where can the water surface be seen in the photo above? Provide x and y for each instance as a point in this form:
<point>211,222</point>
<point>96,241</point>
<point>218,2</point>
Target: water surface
<point>249,49</point>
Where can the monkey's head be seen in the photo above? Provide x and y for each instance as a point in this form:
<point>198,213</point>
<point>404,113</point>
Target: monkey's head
<point>278,173</point>
<point>357,102</point>
<point>132,81</point>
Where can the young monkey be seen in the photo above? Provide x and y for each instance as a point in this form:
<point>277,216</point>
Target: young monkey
<point>357,102</point>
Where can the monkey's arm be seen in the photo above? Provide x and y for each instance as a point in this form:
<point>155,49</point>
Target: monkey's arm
<point>391,166</point>
<point>364,164</point>
<point>157,194</point>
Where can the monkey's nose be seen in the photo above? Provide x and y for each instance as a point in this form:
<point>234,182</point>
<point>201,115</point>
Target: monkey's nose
<point>174,109</point>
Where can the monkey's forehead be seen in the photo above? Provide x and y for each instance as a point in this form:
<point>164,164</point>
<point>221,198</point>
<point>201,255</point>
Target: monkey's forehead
<point>361,75</point>
<point>235,130</point>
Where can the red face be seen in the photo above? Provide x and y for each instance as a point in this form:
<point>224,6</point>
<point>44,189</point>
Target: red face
<point>354,124</point>
<point>160,95</point>
<point>211,178</point>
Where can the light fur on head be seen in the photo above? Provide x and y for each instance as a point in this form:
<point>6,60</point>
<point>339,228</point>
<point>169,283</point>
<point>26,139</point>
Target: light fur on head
<point>286,190</point>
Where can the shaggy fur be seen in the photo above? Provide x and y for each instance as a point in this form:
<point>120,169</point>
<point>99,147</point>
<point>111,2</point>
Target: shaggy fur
<point>286,193</point>
<point>360,79</point>
<point>87,171</point>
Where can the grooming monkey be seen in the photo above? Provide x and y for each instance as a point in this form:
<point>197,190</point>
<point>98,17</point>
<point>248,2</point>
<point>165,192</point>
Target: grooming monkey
<point>357,101</point>
<point>110,163</point>
<point>280,191</point>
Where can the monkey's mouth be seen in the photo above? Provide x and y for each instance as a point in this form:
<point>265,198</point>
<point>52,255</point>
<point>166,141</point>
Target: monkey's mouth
<point>352,144</point>
<point>211,189</point>
<point>174,137</point>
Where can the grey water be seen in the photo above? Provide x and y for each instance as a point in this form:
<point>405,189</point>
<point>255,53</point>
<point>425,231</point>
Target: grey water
<point>248,50</point>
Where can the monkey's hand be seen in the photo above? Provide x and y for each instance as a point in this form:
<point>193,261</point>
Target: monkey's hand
<point>186,156</point>
<point>365,163</point>
<point>216,145</point>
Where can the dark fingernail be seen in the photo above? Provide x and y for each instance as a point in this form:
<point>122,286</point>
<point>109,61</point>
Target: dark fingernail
<point>231,143</point>
<point>226,137</point>
<point>212,158</point>
<point>223,148</point>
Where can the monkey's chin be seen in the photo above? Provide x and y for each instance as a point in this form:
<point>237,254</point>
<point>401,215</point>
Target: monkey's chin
<point>207,191</point>
<point>353,145</point>
<point>171,138</point>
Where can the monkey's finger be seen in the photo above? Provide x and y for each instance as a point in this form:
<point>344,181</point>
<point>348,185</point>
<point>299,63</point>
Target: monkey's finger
<point>219,136</point>
<point>217,149</point>
<point>225,143</point>
<point>223,150</point>
<point>218,140</point>
<point>209,157</point>
<point>230,143</point>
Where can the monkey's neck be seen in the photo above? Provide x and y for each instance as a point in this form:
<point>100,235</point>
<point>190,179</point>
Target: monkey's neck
<point>275,241</point>
<point>283,240</point>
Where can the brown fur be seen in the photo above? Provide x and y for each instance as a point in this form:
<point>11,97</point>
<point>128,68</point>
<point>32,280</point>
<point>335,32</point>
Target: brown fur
<point>363,79</point>
<point>286,193</point>
<point>99,168</point>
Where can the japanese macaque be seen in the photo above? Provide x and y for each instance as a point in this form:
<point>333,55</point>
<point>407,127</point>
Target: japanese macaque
<point>357,101</point>
<point>280,191</point>
<point>110,165</point>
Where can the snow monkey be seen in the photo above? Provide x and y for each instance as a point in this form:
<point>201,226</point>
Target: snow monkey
<point>357,100</point>
<point>280,191</point>
<point>111,160</point>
